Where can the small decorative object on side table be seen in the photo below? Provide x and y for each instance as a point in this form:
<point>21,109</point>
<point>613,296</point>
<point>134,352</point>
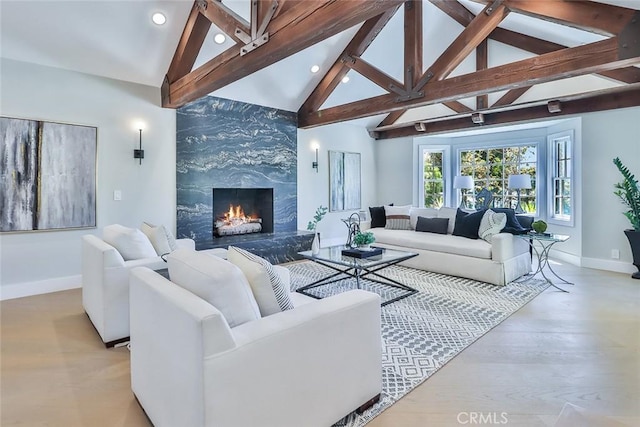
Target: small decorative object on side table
<point>546,241</point>
<point>320,213</point>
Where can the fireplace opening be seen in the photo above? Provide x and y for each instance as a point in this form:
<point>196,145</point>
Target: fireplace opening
<point>239,211</point>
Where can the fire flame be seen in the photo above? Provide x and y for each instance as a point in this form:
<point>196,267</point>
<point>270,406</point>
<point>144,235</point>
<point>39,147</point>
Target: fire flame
<point>236,215</point>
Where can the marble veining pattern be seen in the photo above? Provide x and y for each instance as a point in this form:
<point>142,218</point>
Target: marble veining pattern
<point>224,143</point>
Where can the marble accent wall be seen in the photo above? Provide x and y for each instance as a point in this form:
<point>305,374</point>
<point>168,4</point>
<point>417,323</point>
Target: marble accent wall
<point>224,143</point>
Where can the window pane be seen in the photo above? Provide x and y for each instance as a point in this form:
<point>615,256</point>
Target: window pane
<point>480,157</point>
<point>560,170</point>
<point>495,156</point>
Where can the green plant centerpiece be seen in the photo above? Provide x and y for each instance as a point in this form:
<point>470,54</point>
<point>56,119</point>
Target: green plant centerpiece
<point>629,194</point>
<point>363,239</point>
<point>539,226</point>
<point>320,213</point>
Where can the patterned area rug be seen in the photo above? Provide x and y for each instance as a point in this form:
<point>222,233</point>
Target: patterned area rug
<point>422,332</point>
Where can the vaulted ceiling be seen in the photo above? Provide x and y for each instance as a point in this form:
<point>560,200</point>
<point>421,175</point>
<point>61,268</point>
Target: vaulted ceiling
<point>415,67</point>
<point>280,29</point>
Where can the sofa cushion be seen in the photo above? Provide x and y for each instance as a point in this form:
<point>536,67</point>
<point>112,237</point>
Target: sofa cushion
<point>131,243</point>
<point>491,223</point>
<point>160,237</point>
<point>397,217</point>
<point>513,225</point>
<point>467,224</point>
<point>433,225</point>
<point>445,243</point>
<point>216,281</point>
<point>450,213</point>
<point>378,217</point>
<point>414,213</point>
<point>269,290</point>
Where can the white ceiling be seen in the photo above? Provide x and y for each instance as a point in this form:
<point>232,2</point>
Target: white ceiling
<point>117,39</point>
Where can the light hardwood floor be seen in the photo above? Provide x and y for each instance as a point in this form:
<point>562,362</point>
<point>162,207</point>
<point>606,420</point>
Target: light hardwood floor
<point>582,347</point>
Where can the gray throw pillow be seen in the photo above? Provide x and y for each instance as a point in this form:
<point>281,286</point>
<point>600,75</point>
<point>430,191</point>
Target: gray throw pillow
<point>432,225</point>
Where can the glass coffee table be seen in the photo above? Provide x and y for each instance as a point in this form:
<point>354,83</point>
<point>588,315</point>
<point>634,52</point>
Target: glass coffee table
<point>368,269</point>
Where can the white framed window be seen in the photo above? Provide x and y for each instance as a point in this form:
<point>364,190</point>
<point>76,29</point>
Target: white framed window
<point>433,171</point>
<point>560,191</point>
<point>490,167</point>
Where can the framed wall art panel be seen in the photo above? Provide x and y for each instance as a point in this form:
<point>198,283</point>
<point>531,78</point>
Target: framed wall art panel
<point>47,175</point>
<point>344,181</point>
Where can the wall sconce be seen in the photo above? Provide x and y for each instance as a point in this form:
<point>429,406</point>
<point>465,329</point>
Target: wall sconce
<point>314,165</point>
<point>139,153</point>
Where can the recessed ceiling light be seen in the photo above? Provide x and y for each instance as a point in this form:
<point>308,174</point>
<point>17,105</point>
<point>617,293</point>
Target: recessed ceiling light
<point>345,79</point>
<point>219,38</point>
<point>159,18</point>
<point>315,69</point>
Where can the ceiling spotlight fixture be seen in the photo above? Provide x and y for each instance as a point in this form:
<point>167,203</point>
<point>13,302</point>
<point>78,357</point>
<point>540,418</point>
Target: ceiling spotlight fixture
<point>554,106</point>
<point>345,79</point>
<point>219,38</point>
<point>315,69</point>
<point>477,118</point>
<point>159,18</point>
<point>420,127</point>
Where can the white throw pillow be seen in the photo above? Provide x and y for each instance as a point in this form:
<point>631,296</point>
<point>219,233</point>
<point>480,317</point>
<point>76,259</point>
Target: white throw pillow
<point>397,217</point>
<point>161,238</point>
<point>450,213</point>
<point>216,281</point>
<point>268,288</point>
<point>490,224</point>
<point>414,213</point>
<point>130,242</point>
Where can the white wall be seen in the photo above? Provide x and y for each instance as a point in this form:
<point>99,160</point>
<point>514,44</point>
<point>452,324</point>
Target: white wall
<point>313,187</point>
<point>148,190</point>
<point>395,166</point>
<point>606,135</point>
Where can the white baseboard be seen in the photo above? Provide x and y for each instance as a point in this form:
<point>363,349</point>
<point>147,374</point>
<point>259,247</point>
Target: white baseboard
<point>566,257</point>
<point>26,289</point>
<point>609,265</point>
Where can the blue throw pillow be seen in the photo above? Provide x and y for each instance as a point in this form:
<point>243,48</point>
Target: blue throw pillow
<point>513,225</point>
<point>467,224</point>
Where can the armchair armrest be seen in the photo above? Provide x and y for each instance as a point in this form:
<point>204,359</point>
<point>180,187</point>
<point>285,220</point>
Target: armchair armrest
<point>186,244</point>
<point>308,350</point>
<point>505,246</point>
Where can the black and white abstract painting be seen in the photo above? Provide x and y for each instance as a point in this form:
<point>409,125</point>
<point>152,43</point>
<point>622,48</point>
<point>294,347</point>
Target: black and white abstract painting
<point>344,181</point>
<point>47,175</point>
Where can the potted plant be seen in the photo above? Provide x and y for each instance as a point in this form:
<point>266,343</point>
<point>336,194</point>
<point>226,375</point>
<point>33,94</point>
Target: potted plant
<point>311,226</point>
<point>628,192</point>
<point>363,240</point>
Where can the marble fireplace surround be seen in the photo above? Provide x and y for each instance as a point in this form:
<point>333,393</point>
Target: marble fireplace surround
<point>224,143</point>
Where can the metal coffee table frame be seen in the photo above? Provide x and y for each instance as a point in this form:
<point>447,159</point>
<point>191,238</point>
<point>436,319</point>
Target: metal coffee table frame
<point>358,268</point>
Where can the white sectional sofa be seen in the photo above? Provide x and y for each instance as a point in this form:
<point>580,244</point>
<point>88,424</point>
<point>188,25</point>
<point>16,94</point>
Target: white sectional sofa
<point>503,260</point>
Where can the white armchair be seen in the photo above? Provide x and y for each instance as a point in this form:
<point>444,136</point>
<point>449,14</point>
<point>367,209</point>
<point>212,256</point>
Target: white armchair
<point>309,366</point>
<point>105,286</point>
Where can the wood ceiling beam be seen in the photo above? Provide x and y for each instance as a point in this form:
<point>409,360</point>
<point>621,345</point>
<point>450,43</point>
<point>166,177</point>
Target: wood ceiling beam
<point>303,25</point>
<point>477,31</point>
<point>457,106</point>
<point>226,19</point>
<point>482,63</point>
<point>511,96</point>
<point>610,99</point>
<point>372,73</point>
<point>193,35</point>
<point>473,35</point>
<point>413,39</point>
<point>570,62</point>
<point>591,16</point>
<point>391,118</point>
<point>356,47</point>
<point>521,41</point>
